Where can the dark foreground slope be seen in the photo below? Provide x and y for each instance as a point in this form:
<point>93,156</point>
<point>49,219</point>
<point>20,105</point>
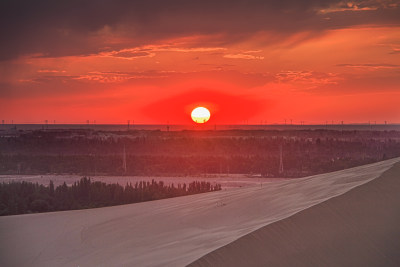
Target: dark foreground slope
<point>358,228</point>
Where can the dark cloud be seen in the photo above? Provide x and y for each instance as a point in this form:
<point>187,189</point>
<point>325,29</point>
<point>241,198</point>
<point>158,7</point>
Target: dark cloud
<point>79,27</point>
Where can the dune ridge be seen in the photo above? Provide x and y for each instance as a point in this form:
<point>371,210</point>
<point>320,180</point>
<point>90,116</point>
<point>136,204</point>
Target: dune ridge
<point>171,232</point>
<point>358,228</point>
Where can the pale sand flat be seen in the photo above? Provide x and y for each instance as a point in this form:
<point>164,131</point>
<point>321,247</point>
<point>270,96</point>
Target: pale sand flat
<point>171,232</point>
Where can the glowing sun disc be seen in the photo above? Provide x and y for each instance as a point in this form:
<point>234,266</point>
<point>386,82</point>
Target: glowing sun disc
<point>200,115</point>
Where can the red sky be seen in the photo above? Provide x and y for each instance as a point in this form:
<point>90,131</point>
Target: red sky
<point>247,61</point>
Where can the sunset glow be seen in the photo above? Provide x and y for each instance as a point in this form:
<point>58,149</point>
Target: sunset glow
<point>308,61</point>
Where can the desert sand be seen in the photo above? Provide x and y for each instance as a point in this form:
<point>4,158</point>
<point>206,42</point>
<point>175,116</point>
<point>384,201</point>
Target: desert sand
<point>358,228</point>
<point>178,231</point>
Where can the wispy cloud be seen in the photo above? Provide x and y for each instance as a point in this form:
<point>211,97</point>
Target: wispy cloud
<point>395,51</point>
<point>96,77</point>
<point>307,77</point>
<point>114,77</point>
<point>51,71</point>
<point>359,5</point>
<point>245,55</point>
<point>372,66</point>
<point>128,54</point>
<point>185,49</point>
<point>151,50</point>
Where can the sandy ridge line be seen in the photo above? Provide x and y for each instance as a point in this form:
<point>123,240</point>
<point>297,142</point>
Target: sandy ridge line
<point>359,228</point>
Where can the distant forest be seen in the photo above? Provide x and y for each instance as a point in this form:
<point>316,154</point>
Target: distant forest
<point>26,197</point>
<point>182,153</point>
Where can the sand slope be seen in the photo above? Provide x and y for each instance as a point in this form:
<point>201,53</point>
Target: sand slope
<point>172,232</point>
<point>358,228</point>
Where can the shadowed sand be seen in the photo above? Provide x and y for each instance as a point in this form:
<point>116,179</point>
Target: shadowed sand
<point>358,228</point>
<point>176,232</point>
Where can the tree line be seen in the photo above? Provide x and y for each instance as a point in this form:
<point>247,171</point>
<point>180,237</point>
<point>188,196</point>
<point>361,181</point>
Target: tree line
<point>149,153</point>
<point>26,197</point>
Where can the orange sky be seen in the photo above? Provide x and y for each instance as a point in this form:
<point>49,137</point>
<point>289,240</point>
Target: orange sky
<point>247,61</point>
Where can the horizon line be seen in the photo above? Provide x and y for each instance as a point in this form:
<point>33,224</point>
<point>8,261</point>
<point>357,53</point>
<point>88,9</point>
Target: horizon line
<point>205,124</point>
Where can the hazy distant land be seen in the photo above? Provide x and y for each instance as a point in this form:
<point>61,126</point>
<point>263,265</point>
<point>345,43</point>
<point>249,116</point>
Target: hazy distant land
<point>178,127</point>
<point>265,153</point>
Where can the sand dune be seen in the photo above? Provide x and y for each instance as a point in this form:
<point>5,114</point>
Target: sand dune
<point>358,228</point>
<point>172,232</point>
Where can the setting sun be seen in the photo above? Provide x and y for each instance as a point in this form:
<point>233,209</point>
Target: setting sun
<point>200,115</point>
